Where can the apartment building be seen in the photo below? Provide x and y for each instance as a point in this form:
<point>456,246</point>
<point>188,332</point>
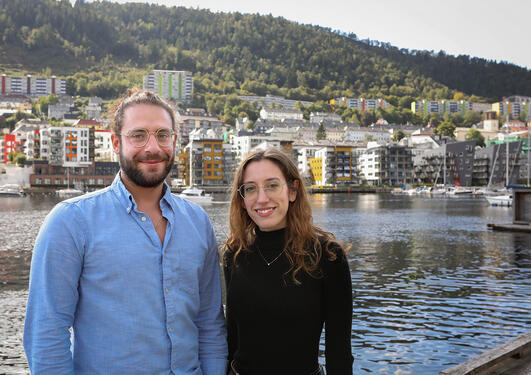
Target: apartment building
<point>513,106</point>
<point>324,117</point>
<point>177,85</point>
<point>390,165</point>
<point>280,114</point>
<point>360,103</point>
<point>8,144</point>
<point>103,150</point>
<point>67,146</point>
<point>270,101</point>
<point>499,163</point>
<point>425,107</point>
<point>32,86</point>
<point>449,164</point>
<point>360,134</point>
<point>189,120</point>
<point>88,177</point>
<point>334,165</point>
<point>206,162</point>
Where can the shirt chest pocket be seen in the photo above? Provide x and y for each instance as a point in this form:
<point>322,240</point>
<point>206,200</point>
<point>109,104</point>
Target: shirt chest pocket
<point>190,269</point>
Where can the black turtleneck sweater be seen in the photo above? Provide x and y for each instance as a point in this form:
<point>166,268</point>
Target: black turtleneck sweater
<point>274,325</point>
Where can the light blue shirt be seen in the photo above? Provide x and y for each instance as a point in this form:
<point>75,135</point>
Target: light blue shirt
<point>136,306</point>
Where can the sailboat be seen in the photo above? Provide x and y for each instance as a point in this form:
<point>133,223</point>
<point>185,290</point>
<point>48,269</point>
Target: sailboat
<point>494,198</point>
<point>68,192</point>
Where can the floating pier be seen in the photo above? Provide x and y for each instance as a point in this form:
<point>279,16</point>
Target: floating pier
<point>521,213</point>
<point>512,358</point>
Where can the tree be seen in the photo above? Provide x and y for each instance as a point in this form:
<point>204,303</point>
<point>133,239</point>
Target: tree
<point>446,129</point>
<point>321,132</point>
<point>471,118</point>
<point>475,135</point>
<point>434,119</point>
<point>398,136</point>
<point>11,156</point>
<point>19,159</point>
<point>46,101</point>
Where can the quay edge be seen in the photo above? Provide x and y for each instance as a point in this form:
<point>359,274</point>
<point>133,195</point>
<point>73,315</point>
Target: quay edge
<point>511,358</point>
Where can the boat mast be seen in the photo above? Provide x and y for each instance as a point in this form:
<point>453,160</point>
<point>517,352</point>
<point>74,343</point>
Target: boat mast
<point>528,159</point>
<point>444,167</point>
<point>507,159</point>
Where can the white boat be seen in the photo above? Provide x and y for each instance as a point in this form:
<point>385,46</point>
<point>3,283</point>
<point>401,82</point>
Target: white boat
<point>460,190</point>
<point>196,195</point>
<point>11,190</point>
<point>500,200</point>
<point>67,193</point>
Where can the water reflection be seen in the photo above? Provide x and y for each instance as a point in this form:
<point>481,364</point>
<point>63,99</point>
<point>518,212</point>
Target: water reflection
<point>432,286</point>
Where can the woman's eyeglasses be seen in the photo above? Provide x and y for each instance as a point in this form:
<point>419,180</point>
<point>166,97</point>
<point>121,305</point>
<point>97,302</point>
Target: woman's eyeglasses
<point>140,137</point>
<point>272,189</point>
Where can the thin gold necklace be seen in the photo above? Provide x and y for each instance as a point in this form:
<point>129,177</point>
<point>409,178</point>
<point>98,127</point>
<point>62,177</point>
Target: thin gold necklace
<point>160,221</point>
<point>265,260</point>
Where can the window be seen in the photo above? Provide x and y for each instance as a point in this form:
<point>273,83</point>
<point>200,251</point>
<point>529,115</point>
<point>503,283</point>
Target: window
<point>100,181</point>
<point>46,181</point>
<point>38,181</point>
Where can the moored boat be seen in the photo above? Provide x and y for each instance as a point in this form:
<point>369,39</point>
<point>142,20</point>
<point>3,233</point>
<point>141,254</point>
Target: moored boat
<point>196,195</point>
<point>11,190</point>
<point>500,200</point>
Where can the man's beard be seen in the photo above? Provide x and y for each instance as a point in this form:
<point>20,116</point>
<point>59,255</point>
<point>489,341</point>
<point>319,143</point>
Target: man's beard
<point>136,175</point>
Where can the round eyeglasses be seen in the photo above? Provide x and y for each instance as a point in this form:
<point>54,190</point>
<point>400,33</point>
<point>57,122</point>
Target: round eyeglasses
<point>140,137</point>
<point>272,189</point>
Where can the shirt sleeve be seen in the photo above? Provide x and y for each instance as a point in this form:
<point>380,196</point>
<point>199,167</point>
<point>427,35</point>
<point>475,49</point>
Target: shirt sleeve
<point>232,331</point>
<point>53,292</point>
<point>210,320</point>
<point>338,313</point>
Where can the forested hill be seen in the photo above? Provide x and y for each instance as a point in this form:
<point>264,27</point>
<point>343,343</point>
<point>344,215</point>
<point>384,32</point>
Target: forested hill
<point>237,53</point>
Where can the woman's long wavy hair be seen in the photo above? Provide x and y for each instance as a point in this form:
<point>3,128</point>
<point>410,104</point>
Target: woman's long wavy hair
<point>305,242</point>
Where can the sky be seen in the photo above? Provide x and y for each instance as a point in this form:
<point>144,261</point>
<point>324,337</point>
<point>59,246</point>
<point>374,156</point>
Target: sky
<point>491,29</point>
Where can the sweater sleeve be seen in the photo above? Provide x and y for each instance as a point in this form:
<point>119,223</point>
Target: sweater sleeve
<point>232,331</point>
<point>338,313</point>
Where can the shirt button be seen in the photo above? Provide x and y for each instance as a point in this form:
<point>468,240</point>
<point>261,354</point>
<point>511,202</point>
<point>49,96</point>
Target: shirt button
<point>166,290</point>
<point>171,329</point>
<point>173,366</point>
<point>143,218</point>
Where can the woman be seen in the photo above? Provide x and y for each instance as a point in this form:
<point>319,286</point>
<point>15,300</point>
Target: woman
<point>285,277</point>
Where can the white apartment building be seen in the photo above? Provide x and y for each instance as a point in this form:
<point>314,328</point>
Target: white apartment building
<point>279,114</point>
<point>361,134</point>
<point>324,116</point>
<point>32,86</point>
<point>175,85</point>
<point>304,154</point>
<point>103,150</point>
<point>269,101</point>
<point>67,146</point>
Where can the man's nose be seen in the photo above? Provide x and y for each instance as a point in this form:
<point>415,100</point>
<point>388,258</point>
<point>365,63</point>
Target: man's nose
<point>152,143</point>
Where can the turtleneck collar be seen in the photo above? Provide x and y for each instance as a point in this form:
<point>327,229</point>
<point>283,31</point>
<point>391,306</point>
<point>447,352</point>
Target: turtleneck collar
<point>270,241</point>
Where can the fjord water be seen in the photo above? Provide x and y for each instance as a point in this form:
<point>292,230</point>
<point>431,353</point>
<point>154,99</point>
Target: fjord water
<point>432,286</point>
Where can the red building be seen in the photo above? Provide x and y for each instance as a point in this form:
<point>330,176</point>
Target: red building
<point>9,145</point>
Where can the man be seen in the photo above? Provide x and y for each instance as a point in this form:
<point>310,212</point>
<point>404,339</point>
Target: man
<point>132,269</point>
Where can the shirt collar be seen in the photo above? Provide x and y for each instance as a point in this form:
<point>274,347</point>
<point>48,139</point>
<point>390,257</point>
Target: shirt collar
<point>127,199</point>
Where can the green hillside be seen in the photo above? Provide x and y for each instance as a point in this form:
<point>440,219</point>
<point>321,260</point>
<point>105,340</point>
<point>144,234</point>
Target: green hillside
<point>103,47</point>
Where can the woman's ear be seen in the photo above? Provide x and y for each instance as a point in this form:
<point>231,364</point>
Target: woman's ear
<point>293,190</point>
